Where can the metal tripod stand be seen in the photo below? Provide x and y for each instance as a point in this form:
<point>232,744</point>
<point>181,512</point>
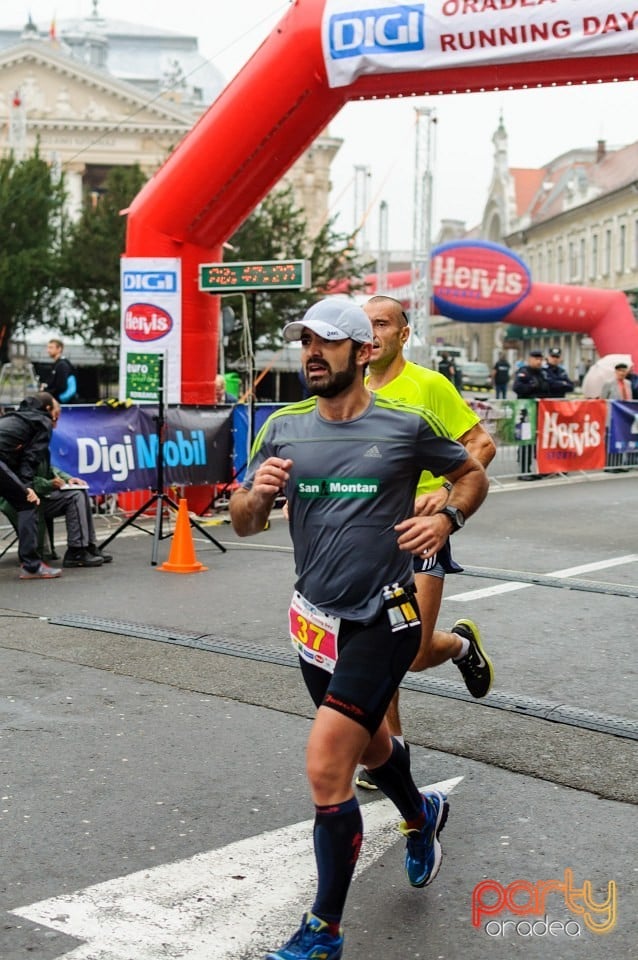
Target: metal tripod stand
<point>158,496</point>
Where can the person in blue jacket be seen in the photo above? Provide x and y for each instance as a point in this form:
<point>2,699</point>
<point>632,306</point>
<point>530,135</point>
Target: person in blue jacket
<point>556,375</point>
<point>61,382</point>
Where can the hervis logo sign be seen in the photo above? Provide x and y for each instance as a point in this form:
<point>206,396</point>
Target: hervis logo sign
<point>477,281</point>
<point>146,322</point>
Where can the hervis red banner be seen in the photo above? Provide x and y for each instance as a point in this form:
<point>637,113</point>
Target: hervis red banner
<point>571,435</point>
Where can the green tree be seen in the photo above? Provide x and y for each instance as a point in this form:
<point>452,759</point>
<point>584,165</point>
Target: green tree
<point>92,262</point>
<point>277,230</point>
<point>31,230</point>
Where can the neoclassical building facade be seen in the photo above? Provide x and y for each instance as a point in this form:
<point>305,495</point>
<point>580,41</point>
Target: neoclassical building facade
<point>95,93</point>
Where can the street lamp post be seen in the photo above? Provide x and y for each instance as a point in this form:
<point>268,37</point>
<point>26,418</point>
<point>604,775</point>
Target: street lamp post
<point>422,228</point>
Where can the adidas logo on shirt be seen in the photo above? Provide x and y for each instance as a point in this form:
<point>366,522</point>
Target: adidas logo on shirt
<point>374,452</point>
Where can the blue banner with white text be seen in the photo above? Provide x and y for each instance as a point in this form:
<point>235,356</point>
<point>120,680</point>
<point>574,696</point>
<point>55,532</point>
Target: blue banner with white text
<point>116,449</point>
<point>623,426</point>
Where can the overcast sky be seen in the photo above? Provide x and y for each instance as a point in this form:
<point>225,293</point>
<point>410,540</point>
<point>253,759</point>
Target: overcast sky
<point>541,124</point>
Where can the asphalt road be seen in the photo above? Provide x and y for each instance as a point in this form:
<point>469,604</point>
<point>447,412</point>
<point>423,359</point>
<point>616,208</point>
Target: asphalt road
<point>153,729</point>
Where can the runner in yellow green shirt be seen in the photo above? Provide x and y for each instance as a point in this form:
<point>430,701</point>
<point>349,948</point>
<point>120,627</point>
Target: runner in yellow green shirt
<point>391,375</point>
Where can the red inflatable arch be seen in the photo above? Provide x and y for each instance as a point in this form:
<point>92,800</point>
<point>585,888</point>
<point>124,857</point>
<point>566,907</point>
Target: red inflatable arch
<point>322,54</point>
<point>604,315</point>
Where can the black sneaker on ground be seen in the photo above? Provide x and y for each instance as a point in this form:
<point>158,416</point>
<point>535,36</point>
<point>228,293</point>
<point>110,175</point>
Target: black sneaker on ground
<point>95,551</point>
<point>81,558</point>
<point>475,666</point>
<point>364,780</point>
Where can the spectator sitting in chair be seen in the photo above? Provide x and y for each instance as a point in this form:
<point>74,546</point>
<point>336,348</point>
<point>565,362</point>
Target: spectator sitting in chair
<point>63,495</point>
<point>20,504</point>
<point>24,441</point>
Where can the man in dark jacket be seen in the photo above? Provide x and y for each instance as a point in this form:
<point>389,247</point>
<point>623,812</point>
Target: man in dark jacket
<point>559,382</point>
<point>530,382</point>
<point>446,367</point>
<point>12,488</point>
<point>531,379</point>
<point>67,496</point>
<point>500,377</point>
<point>24,441</point>
<point>61,382</point>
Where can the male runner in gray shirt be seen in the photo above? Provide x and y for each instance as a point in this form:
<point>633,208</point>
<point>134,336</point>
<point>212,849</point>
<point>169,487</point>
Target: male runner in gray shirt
<point>348,463</point>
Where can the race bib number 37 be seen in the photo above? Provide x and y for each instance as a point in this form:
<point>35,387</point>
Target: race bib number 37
<point>313,633</point>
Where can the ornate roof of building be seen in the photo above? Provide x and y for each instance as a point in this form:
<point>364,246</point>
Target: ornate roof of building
<point>52,58</point>
<point>144,55</point>
<point>572,179</point>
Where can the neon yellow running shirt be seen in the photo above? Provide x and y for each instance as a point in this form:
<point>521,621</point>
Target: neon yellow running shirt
<point>430,390</point>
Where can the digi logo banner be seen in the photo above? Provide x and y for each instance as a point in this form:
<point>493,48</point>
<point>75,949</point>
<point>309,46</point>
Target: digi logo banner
<point>394,29</point>
<point>363,37</point>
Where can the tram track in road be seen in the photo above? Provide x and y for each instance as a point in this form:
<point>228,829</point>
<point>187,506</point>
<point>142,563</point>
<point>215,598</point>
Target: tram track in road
<point>535,707</point>
<point>546,739</point>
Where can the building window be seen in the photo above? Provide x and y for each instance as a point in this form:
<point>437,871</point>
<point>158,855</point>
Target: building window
<point>550,265</point>
<point>540,265</point>
<point>622,249</point>
<point>571,260</point>
<point>635,254</point>
<point>607,254</point>
<point>560,265</point>
<point>582,258</point>
<point>593,268</point>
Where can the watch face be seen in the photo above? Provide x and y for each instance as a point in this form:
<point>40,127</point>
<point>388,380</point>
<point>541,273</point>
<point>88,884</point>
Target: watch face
<point>456,516</point>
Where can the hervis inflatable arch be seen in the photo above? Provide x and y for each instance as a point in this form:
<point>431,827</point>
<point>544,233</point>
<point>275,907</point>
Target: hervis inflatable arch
<point>322,54</point>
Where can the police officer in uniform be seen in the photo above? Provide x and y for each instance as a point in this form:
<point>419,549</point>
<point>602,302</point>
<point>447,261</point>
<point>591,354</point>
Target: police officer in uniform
<point>531,381</point>
<point>559,383</point>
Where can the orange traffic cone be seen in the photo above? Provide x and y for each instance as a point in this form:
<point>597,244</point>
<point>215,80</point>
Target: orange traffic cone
<point>181,558</point>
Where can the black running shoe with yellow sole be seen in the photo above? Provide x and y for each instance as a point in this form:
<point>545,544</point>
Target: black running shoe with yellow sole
<point>475,666</point>
<point>364,780</point>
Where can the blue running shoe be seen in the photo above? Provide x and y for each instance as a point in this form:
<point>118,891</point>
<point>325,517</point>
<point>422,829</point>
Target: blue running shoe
<point>312,941</point>
<point>423,851</point>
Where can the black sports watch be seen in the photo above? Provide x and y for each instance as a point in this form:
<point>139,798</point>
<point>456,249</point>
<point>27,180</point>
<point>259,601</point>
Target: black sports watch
<point>456,516</point>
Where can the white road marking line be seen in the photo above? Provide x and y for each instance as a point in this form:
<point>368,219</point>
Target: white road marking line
<point>237,901</point>
<point>562,574</point>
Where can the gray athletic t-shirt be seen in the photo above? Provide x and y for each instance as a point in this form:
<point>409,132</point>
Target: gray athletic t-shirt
<point>350,483</point>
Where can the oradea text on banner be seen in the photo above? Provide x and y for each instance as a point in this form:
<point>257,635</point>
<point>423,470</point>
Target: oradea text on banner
<point>386,36</point>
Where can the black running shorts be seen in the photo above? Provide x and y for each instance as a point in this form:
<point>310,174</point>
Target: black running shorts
<point>371,664</point>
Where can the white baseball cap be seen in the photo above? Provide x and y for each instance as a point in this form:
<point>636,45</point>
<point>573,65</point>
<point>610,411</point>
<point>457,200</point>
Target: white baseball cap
<point>333,319</point>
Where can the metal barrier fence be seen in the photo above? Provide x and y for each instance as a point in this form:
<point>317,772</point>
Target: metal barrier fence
<point>515,458</point>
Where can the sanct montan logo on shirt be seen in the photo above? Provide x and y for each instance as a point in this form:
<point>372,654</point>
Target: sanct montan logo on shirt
<point>312,487</point>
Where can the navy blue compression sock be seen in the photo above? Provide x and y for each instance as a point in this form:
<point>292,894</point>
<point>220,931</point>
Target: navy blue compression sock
<point>337,836</point>
<point>395,779</point>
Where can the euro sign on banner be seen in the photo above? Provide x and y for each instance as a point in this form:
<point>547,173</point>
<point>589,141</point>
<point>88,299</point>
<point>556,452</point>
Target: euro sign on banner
<point>571,435</point>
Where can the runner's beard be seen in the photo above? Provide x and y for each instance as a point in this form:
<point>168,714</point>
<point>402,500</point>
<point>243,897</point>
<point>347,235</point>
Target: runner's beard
<point>334,383</point>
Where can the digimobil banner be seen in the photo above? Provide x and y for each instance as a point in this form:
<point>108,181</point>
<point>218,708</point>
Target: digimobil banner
<point>362,37</point>
<point>151,326</point>
<point>623,426</point>
<point>115,450</point>
<point>571,435</point>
